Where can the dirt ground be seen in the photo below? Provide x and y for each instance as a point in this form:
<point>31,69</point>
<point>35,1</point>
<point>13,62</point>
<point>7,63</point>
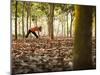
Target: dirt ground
<point>43,55</point>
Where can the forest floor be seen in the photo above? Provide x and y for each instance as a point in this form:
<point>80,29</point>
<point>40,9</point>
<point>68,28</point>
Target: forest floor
<point>42,55</point>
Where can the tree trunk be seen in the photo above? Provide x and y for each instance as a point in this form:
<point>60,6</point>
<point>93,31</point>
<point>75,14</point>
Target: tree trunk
<point>62,29</point>
<point>48,27</point>
<point>50,20</point>
<point>64,26</point>
<point>16,20</point>
<point>95,20</point>
<point>67,25</point>
<point>19,28</point>
<point>57,30</point>
<point>27,20</point>
<point>95,25</point>
<point>71,25</point>
<point>30,20</point>
<point>23,34</point>
<point>82,53</point>
<point>27,15</point>
<point>30,15</point>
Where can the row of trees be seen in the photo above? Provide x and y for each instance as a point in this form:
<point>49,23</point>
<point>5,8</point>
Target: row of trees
<point>18,11</point>
<point>34,11</point>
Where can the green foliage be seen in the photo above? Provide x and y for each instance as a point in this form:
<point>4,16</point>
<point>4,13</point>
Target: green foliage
<point>19,8</point>
<point>13,6</point>
<point>39,9</point>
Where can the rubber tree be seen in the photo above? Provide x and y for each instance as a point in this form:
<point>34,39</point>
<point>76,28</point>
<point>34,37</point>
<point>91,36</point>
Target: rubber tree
<point>72,17</point>
<point>82,52</point>
<point>27,12</point>
<point>71,12</point>
<point>16,20</point>
<point>50,20</point>
<point>67,26</point>
<point>30,13</point>
<point>23,6</point>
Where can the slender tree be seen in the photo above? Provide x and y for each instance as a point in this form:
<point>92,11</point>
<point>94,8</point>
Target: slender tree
<point>23,5</point>
<point>82,53</point>
<point>16,20</point>
<point>62,25</point>
<point>48,28</point>
<point>30,15</point>
<point>71,24</point>
<point>19,27</point>
<point>27,11</point>
<point>67,25</point>
<point>50,20</point>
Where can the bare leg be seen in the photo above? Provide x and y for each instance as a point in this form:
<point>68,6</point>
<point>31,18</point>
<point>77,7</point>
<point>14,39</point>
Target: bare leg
<point>35,34</point>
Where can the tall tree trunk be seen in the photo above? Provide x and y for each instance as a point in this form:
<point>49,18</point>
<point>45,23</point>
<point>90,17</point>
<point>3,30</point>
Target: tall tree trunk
<point>50,20</point>
<point>95,25</point>
<point>82,53</point>
<point>30,15</point>
<point>23,34</point>
<point>48,27</point>
<point>19,28</point>
<point>16,20</point>
<point>64,23</point>
<point>27,20</point>
<point>30,20</point>
<point>71,24</point>
<point>62,29</point>
<point>67,25</point>
<point>27,4</point>
<point>57,30</point>
<point>95,20</point>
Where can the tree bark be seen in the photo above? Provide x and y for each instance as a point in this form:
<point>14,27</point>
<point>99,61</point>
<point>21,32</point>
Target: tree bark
<point>82,53</point>
<point>30,15</point>
<point>48,27</point>
<point>19,28</point>
<point>95,20</point>
<point>62,28</point>
<point>71,24</point>
<point>27,4</point>
<point>27,20</point>
<point>67,25</point>
<point>50,20</point>
<point>23,33</point>
<point>16,20</point>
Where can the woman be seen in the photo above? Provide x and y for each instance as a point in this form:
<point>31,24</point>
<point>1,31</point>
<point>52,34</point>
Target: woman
<point>33,30</point>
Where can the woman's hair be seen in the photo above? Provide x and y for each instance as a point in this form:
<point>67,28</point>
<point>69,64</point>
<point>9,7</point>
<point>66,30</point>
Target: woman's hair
<point>40,28</point>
